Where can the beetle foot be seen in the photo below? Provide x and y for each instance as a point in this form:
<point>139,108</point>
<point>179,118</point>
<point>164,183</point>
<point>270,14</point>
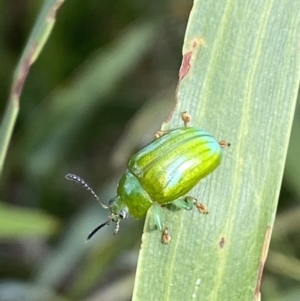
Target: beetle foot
<point>224,144</point>
<point>159,134</point>
<point>166,237</point>
<point>201,208</point>
<point>186,117</point>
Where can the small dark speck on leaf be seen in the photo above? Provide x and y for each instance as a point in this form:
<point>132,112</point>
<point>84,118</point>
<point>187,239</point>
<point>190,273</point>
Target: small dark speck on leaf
<point>222,242</point>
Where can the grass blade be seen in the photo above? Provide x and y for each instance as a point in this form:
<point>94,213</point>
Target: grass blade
<point>239,79</point>
<point>37,39</point>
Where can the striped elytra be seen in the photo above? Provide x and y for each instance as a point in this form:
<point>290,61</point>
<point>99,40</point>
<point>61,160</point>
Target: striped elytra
<point>163,172</point>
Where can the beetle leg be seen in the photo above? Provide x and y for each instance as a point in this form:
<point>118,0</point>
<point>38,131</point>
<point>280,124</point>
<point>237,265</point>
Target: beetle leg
<point>159,134</point>
<point>158,220</point>
<point>186,117</point>
<point>166,237</point>
<point>158,217</point>
<point>188,202</point>
<point>185,203</point>
<point>224,144</point>
<point>201,208</point>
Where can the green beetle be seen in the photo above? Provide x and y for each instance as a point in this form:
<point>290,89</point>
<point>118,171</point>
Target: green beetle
<point>163,172</point>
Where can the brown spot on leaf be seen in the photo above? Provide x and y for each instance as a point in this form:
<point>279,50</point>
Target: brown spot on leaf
<point>185,65</point>
<point>186,59</point>
<point>53,10</point>
<point>262,261</point>
<point>26,62</point>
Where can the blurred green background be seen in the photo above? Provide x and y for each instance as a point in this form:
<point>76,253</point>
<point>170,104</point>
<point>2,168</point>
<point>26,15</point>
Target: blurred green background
<point>101,88</point>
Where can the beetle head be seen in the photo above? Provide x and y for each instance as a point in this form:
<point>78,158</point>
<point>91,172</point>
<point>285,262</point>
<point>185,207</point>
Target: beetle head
<point>117,208</point>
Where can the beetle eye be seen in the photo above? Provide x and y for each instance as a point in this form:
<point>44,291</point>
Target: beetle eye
<point>122,214</point>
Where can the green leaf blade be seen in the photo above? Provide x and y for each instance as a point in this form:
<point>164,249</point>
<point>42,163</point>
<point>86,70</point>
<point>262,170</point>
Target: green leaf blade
<point>240,81</point>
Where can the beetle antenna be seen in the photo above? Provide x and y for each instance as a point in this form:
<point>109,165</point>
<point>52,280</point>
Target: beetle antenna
<point>97,229</point>
<point>77,179</point>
